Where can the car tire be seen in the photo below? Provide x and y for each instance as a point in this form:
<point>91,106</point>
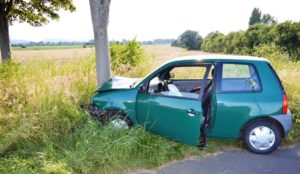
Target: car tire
<point>118,120</point>
<point>261,137</point>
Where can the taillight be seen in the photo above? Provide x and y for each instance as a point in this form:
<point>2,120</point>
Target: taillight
<point>285,104</point>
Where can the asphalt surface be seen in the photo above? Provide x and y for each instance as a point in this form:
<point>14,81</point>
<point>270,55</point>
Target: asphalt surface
<point>282,161</point>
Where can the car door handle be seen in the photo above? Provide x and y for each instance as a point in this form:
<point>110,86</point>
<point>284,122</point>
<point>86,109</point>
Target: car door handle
<point>192,112</point>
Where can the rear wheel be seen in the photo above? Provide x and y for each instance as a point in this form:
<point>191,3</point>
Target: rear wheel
<point>261,137</point>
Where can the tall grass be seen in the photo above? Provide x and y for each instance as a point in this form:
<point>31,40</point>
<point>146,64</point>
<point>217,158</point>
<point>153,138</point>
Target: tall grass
<point>43,130</point>
<point>289,72</point>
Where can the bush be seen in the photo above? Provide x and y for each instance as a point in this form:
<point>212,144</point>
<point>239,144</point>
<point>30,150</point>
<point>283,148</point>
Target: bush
<point>287,36</point>
<point>214,42</point>
<point>125,58</point>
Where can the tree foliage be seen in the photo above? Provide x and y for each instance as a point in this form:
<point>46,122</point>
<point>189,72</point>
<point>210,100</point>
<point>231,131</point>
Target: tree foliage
<point>268,19</point>
<point>285,36</point>
<point>190,40</point>
<point>258,18</point>
<point>263,30</point>
<point>37,12</point>
<point>214,41</point>
<point>255,16</point>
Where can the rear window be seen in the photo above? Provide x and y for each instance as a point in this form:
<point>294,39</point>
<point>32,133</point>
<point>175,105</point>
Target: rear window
<point>276,77</point>
<point>239,78</point>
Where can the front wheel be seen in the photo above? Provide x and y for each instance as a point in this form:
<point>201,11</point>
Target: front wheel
<point>118,120</point>
<point>261,137</point>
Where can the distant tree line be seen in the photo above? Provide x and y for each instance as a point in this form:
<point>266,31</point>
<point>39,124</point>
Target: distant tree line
<point>263,30</point>
<point>149,42</point>
<point>157,42</point>
<point>42,43</point>
<point>90,43</point>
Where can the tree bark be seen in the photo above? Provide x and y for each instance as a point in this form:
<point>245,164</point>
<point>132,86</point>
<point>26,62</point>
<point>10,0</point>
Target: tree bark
<point>100,16</point>
<point>4,38</point>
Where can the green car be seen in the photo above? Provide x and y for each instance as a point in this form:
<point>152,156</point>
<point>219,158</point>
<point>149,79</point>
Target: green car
<point>190,98</point>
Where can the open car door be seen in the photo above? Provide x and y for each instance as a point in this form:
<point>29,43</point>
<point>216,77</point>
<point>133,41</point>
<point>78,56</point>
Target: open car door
<point>173,114</point>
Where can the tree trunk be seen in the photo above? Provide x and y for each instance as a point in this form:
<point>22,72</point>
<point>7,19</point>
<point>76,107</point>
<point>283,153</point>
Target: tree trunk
<point>100,15</point>
<point>4,38</point>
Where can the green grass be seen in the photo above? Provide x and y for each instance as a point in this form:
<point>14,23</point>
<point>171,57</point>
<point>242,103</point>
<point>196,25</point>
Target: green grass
<point>54,47</point>
<point>43,130</point>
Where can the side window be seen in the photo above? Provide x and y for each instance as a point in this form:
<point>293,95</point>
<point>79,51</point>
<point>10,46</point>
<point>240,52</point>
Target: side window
<point>180,81</point>
<point>187,73</point>
<point>239,78</point>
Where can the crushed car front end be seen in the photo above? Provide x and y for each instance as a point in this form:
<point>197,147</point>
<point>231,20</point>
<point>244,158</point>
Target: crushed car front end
<point>118,94</point>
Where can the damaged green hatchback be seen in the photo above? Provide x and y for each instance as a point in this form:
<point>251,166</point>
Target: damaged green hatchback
<point>189,98</point>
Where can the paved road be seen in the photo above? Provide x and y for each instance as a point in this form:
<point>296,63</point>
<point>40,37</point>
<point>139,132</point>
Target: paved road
<point>282,161</point>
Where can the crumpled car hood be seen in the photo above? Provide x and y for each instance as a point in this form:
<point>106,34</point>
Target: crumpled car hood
<point>117,82</point>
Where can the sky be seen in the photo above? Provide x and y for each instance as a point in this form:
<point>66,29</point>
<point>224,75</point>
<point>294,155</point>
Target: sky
<point>151,19</point>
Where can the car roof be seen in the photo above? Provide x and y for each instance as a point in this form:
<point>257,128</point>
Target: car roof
<point>218,57</point>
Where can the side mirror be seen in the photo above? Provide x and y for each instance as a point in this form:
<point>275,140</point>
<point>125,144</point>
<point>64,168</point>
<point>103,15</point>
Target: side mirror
<point>142,89</point>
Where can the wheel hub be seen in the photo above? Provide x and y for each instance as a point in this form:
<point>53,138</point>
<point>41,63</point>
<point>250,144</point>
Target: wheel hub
<point>262,138</point>
<point>119,124</point>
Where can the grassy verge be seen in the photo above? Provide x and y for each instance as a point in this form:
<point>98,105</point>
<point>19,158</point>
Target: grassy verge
<point>42,129</point>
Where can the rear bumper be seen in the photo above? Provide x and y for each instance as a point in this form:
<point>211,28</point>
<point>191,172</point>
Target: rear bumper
<point>285,120</point>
